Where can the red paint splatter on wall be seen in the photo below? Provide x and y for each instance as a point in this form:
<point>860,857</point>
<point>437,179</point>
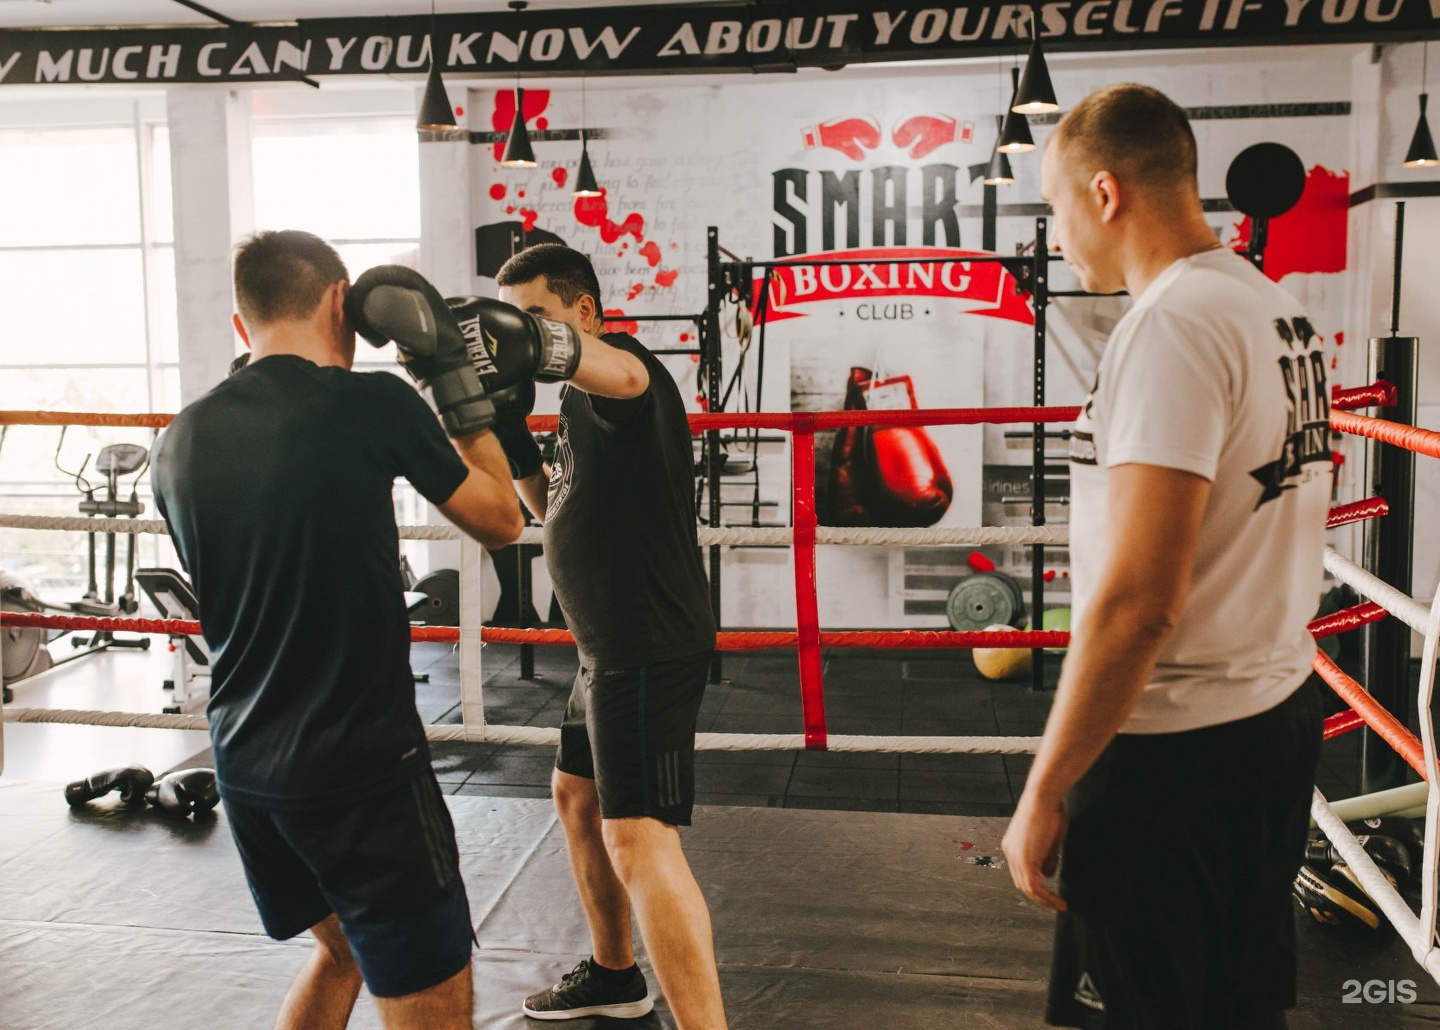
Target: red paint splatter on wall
<point>635,290</point>
<point>979,562</point>
<point>684,337</point>
<point>1340,338</point>
<point>616,322</point>
<point>527,219</point>
<point>1048,575</point>
<point>542,124</point>
<point>651,253</point>
<point>667,277</point>
<point>459,112</point>
<point>595,212</point>
<point>520,194</point>
<point>1312,236</point>
<point>497,191</point>
<point>509,209</point>
<point>559,175</point>
<point>536,100</point>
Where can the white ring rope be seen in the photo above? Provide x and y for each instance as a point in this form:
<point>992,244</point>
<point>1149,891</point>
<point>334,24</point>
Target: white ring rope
<point>1396,602</point>
<point>542,736</point>
<point>1376,884</point>
<point>736,536</point>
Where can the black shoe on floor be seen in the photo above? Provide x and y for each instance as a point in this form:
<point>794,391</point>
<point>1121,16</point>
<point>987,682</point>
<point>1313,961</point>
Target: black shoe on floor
<point>581,992</point>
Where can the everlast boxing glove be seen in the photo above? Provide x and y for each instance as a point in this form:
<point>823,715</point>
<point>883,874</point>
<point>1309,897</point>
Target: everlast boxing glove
<point>186,792</point>
<point>132,782</point>
<point>514,434</point>
<point>391,302</point>
<point>508,345</point>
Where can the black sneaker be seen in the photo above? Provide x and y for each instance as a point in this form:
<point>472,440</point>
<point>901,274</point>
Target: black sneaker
<point>581,993</point>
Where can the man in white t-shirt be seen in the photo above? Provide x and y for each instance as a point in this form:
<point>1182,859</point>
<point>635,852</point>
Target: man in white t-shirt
<point>1178,759</point>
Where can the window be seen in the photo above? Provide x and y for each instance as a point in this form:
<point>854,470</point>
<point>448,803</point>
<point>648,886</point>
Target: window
<point>87,283</point>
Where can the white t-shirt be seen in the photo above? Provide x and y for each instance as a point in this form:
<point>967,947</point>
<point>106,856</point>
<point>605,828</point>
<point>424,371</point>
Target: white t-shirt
<point>1216,371</point>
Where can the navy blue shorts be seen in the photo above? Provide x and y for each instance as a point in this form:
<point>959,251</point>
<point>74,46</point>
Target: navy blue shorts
<point>632,731</point>
<point>386,866</point>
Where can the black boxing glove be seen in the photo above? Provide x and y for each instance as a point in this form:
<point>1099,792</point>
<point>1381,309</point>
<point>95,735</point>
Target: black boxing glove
<point>507,344</point>
<point>391,302</point>
<point>1388,853</point>
<point>186,792</point>
<point>510,428</point>
<point>132,782</point>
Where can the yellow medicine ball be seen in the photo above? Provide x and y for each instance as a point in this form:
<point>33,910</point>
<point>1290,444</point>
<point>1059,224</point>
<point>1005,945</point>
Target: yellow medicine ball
<point>1002,663</point>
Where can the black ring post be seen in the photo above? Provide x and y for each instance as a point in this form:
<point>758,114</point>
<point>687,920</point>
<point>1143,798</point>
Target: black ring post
<point>710,356</point>
<point>1389,543</point>
<point>1040,299</point>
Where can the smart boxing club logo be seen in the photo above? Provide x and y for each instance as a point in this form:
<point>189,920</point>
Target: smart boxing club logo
<point>919,135</point>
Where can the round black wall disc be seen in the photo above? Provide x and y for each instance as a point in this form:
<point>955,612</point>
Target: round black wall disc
<point>1265,180</point>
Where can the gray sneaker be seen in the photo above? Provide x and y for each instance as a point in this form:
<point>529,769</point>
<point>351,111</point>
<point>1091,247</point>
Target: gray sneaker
<point>581,993</point>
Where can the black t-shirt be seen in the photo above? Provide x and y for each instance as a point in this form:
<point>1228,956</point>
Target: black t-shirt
<point>620,525</point>
<point>277,489</point>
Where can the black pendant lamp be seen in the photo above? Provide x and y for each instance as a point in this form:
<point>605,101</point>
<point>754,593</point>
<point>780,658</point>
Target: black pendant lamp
<point>585,184</point>
<point>998,173</point>
<point>1015,135</point>
<point>1422,146</point>
<point>436,114</point>
<point>1035,94</point>
<point>518,152</point>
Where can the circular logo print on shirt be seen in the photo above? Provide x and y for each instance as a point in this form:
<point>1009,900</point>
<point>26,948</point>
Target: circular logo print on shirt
<point>562,472</point>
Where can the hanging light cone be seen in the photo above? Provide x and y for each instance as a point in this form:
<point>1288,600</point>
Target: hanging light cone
<point>436,114</point>
<point>1035,94</point>
<point>999,172</point>
<point>585,184</point>
<point>518,153</point>
<point>1422,146</point>
<point>1015,135</point>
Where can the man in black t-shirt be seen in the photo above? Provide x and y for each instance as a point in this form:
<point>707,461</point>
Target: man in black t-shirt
<point>276,486</point>
<point>619,514</point>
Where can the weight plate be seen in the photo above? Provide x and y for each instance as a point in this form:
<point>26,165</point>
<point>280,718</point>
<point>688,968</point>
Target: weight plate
<point>442,598</point>
<point>1017,594</point>
<point>980,600</point>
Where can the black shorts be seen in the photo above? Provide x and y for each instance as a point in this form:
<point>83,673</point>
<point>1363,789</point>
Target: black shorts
<point>632,731</point>
<point>387,867</point>
<point>1177,870</point>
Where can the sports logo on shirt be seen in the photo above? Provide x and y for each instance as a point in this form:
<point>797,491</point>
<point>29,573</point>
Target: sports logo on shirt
<point>562,471</point>
<point>1307,421</point>
<point>1082,433</point>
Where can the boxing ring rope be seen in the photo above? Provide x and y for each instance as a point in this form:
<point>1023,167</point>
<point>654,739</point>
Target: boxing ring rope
<point>804,536</point>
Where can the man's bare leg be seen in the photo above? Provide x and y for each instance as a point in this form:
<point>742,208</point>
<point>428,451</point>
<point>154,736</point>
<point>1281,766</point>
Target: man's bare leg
<point>673,917</point>
<point>449,1005</point>
<point>607,905</point>
<point>324,993</point>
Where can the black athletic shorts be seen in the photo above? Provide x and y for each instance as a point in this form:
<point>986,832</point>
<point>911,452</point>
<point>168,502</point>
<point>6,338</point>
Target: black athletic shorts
<point>632,731</point>
<point>1177,870</point>
<point>387,867</point>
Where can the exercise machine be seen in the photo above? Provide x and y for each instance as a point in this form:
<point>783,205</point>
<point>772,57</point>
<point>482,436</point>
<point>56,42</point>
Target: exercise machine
<point>173,599</point>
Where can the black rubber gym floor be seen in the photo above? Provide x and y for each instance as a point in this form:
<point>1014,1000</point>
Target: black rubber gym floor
<point>894,915</point>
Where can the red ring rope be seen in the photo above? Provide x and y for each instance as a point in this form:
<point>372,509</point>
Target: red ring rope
<point>1347,619</point>
<point>1378,394</point>
<point>1341,723</point>
<point>1357,511</point>
<point>1412,438</point>
<point>1381,721</point>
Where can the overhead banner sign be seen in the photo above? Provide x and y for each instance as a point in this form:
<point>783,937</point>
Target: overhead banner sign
<point>750,37</point>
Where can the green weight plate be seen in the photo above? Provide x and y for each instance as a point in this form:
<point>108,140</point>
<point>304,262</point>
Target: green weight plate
<point>980,600</point>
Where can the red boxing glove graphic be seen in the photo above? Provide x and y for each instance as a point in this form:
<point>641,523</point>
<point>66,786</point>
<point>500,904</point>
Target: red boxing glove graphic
<point>911,486</point>
<point>851,136</point>
<point>923,134</point>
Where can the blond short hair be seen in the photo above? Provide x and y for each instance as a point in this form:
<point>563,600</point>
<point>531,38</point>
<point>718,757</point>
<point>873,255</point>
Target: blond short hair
<point>1135,132</point>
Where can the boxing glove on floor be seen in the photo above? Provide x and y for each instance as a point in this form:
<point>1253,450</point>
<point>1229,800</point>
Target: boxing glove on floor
<point>132,782</point>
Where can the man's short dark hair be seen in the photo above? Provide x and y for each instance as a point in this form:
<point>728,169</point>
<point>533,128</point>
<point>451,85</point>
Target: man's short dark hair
<point>1134,132</point>
<point>281,275</point>
<point>568,273</point>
